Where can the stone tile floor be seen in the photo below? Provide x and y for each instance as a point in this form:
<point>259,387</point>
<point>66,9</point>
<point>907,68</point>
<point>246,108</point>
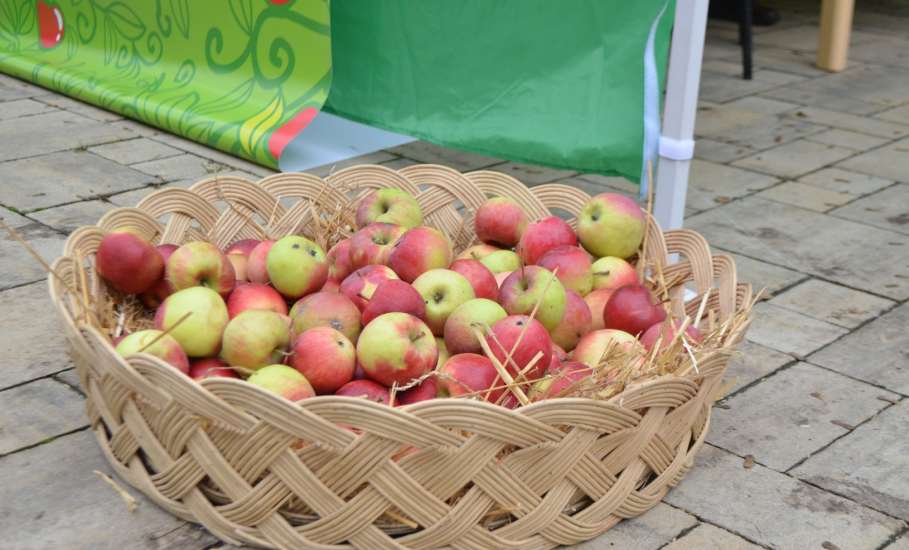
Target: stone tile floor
<point>801,175</point>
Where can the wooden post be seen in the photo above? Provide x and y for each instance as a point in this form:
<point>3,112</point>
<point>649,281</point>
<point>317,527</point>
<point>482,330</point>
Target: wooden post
<point>833,38</point>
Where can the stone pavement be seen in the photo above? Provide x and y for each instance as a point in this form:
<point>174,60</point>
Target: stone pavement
<point>802,176</point>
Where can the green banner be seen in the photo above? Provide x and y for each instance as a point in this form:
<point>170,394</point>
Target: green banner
<point>557,83</point>
<point>243,76</point>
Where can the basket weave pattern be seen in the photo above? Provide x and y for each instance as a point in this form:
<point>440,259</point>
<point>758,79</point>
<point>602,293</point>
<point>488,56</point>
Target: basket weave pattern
<point>333,472</point>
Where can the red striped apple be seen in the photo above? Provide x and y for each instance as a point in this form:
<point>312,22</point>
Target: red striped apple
<point>153,297</point>
<point>611,225</point>
<point>443,291</point>
<point>211,367</point>
<point>419,250</point>
<point>525,288</point>
<point>544,235</point>
<point>665,333</point>
<point>574,269</point>
<point>373,244</point>
<point>481,278</point>
<point>360,285</point>
<point>596,301</point>
<point>389,206</point>
<point>157,343</point>
<point>202,316</point>
<point>282,380</point>
<point>459,334</point>
<point>632,308</point>
<point>339,261</point>
<point>365,389</point>
<point>593,345</point>
<point>477,252</point>
<point>500,221</point>
<point>325,357</point>
<point>296,266</point>
<point>575,322</point>
<point>469,374</point>
<point>257,263</point>
<point>535,341</point>
<point>238,254</point>
<point>394,295</point>
<point>255,296</point>
<point>256,338</point>
<point>128,262</point>
<point>396,347</point>
<point>611,272</point>
<point>199,263</point>
<point>569,377</point>
<point>424,391</point>
<point>326,309</point>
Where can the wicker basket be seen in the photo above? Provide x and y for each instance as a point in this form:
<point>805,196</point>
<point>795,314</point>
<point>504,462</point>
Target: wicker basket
<point>226,454</point>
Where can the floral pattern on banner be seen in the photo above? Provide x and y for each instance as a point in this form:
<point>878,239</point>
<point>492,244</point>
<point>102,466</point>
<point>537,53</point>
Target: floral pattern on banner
<point>243,76</point>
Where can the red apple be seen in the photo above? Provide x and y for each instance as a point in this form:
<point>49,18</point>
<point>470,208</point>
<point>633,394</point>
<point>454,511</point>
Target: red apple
<point>326,309</point>
<point>596,301</point>
<point>424,391</point>
<point>199,263</point>
<point>419,250</point>
<point>611,225</point>
<point>159,291</point>
<point>477,252</point>
<point>257,263</point>
<point>360,285</point>
<point>544,235</point>
<point>470,373</point>
<point>157,343</point>
<point>535,340</point>
<point>500,278</point>
<point>296,266</point>
<point>573,266</point>
<point>575,322</point>
<point>611,273</point>
<point>367,389</point>
<point>569,377</point>
<point>256,338</point>
<point>396,347</point>
<point>282,380</point>
<point>211,367</point>
<point>559,355</point>
<point>667,332</point>
<point>331,286</point>
<point>389,206</point>
<point>459,334</point>
<point>238,254</point>
<point>593,345</point>
<point>394,295</point>
<point>480,277</point>
<point>500,221</point>
<point>255,296</point>
<point>373,244</point>
<point>128,262</point>
<point>534,287</point>
<point>339,261</point>
<point>325,357</point>
<point>632,309</point>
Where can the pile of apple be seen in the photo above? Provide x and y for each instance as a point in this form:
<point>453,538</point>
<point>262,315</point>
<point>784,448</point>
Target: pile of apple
<point>391,306</point>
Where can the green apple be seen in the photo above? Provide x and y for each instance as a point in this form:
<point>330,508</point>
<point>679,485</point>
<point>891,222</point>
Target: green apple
<point>282,380</point>
<point>157,343</point>
<point>255,338</point>
<point>199,334</point>
<point>443,290</point>
<point>501,261</point>
<point>389,206</point>
<point>524,288</point>
<point>611,225</point>
<point>459,334</point>
<point>396,347</point>
<point>296,266</point>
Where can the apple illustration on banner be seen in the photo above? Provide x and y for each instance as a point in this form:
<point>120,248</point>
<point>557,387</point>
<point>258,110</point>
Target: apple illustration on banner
<point>50,25</point>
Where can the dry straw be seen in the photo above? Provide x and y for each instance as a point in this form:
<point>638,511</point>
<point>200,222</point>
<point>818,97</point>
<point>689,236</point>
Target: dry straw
<point>331,472</point>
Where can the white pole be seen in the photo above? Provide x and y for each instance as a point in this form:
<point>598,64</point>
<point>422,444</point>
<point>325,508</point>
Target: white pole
<point>679,112</point>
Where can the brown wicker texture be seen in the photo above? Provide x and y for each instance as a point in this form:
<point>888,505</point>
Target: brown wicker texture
<point>259,470</point>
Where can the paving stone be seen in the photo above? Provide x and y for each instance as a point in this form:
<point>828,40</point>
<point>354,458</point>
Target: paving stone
<point>54,131</point>
<point>877,353</point>
<point>71,379</point>
<point>70,217</point>
<point>883,50</point>
<point>834,249</point>
<point>717,151</point>
<point>708,537</point>
<point>377,157</point>
<point>868,465</point>
<point>426,152</point>
<point>711,184</point>
<point>847,139</point>
<point>132,151</point>
<point>806,196</point>
<point>843,181</point>
<point>753,362</point>
<point>12,218</point>
<point>774,509</point>
<point>790,332</point>
<point>899,115</point>
<point>794,159</point>
<point>34,348</point>
<point>616,183</point>
<point>888,209</point>
<point>531,174</point>
<point>207,152</point>
<point>593,188</point>
<point>889,162</point>
<point>843,121</point>
<point>37,411</point>
<point>69,506</point>
<point>749,129</point>
<point>12,88</point>
<point>784,60</point>
<point>882,86</point>
<point>132,198</point>
<point>22,107</point>
<point>720,87</point>
<point>833,100</point>
<point>761,275</point>
<point>832,303</point>
<point>900,544</point>
<point>652,530</point>
<point>189,182</point>
<point>763,105</point>
<point>80,108</point>
<point>181,167</point>
<point>399,162</point>
<point>64,177</point>
<point>807,400</point>
<point>18,267</point>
